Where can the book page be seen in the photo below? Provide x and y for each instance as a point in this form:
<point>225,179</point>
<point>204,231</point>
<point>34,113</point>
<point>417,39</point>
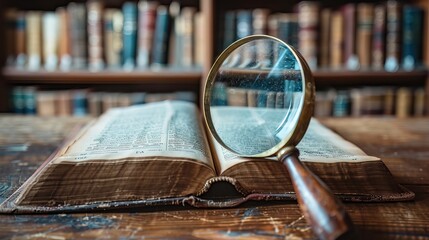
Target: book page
<point>319,144</point>
<point>162,129</point>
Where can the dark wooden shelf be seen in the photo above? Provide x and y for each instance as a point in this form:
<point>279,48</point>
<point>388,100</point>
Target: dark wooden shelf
<point>323,78</point>
<point>331,78</point>
<point>162,76</point>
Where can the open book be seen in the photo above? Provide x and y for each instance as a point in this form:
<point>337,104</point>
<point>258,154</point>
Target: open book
<point>160,154</point>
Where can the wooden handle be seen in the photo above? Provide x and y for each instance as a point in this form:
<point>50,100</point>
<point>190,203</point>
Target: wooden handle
<point>323,211</point>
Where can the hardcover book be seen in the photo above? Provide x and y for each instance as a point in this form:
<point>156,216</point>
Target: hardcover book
<point>64,40</point>
<point>160,154</point>
<point>129,34</point>
<point>160,46</point>
<point>412,37</point>
<point>33,39</point>
<point>146,29</point>
<point>77,12</point>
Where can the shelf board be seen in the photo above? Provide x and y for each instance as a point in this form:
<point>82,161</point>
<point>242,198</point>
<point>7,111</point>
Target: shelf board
<point>370,77</point>
<point>161,76</point>
<point>322,77</point>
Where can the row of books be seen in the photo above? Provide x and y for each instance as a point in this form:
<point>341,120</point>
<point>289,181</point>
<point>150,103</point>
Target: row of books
<point>355,102</point>
<point>30,100</point>
<point>401,102</point>
<point>381,36</point>
<point>90,36</point>
<point>224,95</point>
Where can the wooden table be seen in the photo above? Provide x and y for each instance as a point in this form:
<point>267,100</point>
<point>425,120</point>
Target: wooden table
<point>402,144</point>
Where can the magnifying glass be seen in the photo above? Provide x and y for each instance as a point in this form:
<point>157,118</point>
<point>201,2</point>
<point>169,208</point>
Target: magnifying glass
<point>258,102</point>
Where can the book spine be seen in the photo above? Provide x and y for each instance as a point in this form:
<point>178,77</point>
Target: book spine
<point>356,102</point>
<point>79,103</point>
<point>64,48</point>
<point>341,104</point>
<point>230,29</point>
<point>95,39</point>
<point>161,37</point>
<point>403,102</point>
<point>389,101</point>
<point>33,40</point>
<point>113,21</point>
<point>261,99</point>
<point>188,15</point>
<point>129,35</point>
<point>50,40</point>
<point>364,30</point>
<point>18,100</point>
<point>419,102</point>
<point>271,100</point>
<point>273,21</point>
<point>45,103</point>
<point>77,26</point>
<point>280,99</point>
<point>251,98</point>
<point>308,19</point>
<point>412,37</point>
<point>288,28</point>
<point>199,39</point>
<point>95,103</point>
<point>138,98</point>
<point>236,97</point>
<point>323,104</point>
<point>244,23</point>
<point>29,96</point>
<point>219,94</point>
<point>392,36</point>
<point>378,37</point>
<point>20,47</point>
<point>260,20</point>
<point>336,43</point>
<point>63,103</point>
<point>325,25</point>
<point>147,21</point>
<point>11,26</point>
<point>175,39</point>
<point>350,60</point>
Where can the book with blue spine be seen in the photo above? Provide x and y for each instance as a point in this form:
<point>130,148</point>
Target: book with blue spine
<point>161,37</point>
<point>412,37</point>
<point>129,34</point>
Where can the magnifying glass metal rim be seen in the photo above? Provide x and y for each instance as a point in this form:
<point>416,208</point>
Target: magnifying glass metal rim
<point>307,104</point>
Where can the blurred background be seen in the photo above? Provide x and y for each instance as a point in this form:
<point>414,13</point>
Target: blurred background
<point>63,58</point>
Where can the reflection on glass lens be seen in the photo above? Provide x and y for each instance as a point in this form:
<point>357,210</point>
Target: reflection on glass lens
<point>257,96</point>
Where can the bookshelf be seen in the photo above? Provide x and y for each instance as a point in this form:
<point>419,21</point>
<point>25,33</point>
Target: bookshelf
<point>215,12</point>
<point>211,35</point>
<point>166,78</point>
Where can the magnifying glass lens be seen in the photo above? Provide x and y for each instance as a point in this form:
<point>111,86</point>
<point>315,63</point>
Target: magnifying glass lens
<point>257,96</point>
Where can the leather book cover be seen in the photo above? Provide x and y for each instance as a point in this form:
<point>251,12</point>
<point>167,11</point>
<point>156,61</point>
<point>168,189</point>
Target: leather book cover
<point>378,37</point>
<point>146,28</point>
<point>33,38</point>
<point>129,34</point>
<point>95,37</point>
<point>160,45</point>
<point>77,28</point>
<point>393,36</point>
<point>350,58</point>
<point>336,40</point>
<point>64,38</point>
<point>308,20</point>
<point>365,12</point>
<point>113,23</point>
<point>412,37</point>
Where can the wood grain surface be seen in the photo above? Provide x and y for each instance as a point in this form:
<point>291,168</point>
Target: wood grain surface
<point>402,144</point>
